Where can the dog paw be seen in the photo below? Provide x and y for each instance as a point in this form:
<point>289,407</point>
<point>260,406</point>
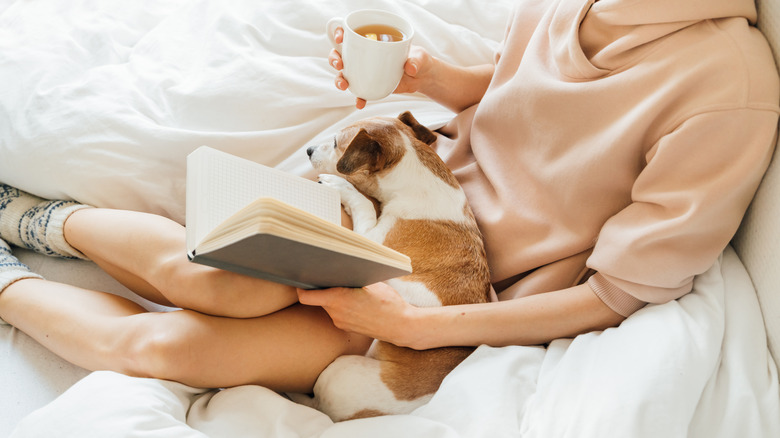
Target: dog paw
<point>346,190</point>
<point>360,208</point>
<point>344,187</point>
<point>335,181</point>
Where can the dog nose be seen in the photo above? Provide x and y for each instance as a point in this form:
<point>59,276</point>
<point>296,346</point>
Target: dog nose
<point>309,151</point>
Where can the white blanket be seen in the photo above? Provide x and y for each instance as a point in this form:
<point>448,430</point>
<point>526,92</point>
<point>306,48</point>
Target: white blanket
<point>101,100</point>
<point>697,367</point>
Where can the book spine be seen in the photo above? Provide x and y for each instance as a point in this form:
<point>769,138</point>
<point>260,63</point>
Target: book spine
<point>191,201</point>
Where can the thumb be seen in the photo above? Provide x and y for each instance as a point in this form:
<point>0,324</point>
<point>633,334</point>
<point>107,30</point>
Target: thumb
<point>311,297</point>
<point>410,68</point>
<point>319,297</point>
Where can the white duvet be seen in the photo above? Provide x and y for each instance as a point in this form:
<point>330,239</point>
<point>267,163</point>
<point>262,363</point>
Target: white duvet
<point>101,101</point>
<point>696,367</point>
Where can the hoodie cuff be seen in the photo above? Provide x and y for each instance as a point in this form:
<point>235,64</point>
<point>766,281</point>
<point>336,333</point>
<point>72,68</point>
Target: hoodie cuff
<point>615,298</point>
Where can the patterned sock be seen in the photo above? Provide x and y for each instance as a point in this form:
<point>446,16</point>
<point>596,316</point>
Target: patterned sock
<point>11,269</point>
<point>34,223</point>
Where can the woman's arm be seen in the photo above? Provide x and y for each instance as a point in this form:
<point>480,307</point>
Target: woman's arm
<point>454,87</point>
<point>379,312</point>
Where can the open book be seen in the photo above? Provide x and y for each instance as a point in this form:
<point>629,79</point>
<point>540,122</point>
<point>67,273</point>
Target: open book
<point>260,221</point>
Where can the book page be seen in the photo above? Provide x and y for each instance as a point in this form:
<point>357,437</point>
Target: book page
<point>220,184</point>
<point>270,216</point>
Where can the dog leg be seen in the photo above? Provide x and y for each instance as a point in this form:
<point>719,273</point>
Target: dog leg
<point>351,387</point>
<point>355,203</point>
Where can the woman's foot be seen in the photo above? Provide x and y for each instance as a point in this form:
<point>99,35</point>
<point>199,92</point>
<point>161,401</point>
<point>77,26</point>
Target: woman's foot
<point>31,222</point>
<point>11,269</point>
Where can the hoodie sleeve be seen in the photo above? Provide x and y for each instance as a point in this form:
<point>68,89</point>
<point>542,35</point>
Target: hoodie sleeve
<point>686,205</point>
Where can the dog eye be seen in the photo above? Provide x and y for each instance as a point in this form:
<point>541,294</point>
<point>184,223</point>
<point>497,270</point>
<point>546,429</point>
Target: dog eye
<point>335,144</point>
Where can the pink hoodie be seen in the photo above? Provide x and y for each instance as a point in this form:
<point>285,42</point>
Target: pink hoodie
<point>623,138</point>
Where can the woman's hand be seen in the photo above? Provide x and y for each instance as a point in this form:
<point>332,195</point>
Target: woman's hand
<point>416,69</point>
<point>376,311</point>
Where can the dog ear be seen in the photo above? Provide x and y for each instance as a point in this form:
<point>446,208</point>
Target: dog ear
<point>422,133</point>
<point>362,152</point>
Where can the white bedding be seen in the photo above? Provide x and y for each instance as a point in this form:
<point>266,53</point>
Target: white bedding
<point>102,100</point>
<point>697,367</point>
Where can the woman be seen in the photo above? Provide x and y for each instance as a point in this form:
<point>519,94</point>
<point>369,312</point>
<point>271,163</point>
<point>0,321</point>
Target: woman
<point>608,155</point>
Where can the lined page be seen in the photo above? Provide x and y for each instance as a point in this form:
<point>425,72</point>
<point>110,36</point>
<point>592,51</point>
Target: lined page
<point>220,184</point>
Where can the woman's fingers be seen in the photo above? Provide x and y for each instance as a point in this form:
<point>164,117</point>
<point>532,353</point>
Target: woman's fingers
<point>334,59</point>
<point>341,83</point>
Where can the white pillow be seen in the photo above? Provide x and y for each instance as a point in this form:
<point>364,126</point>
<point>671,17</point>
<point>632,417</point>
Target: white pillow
<point>132,407</point>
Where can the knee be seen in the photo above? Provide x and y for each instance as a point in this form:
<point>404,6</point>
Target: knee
<point>156,348</point>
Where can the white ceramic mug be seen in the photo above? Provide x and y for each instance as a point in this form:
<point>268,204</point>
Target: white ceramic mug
<point>372,68</point>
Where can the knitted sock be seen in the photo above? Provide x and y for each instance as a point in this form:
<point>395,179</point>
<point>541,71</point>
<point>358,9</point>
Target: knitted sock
<point>34,223</point>
<point>11,269</point>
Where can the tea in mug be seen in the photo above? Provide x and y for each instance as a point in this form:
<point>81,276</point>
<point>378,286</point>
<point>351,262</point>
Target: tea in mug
<point>380,32</point>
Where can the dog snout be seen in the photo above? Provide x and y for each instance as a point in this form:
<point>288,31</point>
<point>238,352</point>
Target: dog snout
<point>310,150</point>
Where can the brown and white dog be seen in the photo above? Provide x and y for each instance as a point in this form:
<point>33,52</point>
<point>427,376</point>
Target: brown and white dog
<point>386,165</point>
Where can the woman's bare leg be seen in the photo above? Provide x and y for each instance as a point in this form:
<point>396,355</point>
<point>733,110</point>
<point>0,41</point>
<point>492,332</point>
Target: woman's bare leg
<point>147,253</point>
<point>71,322</point>
<point>284,351</point>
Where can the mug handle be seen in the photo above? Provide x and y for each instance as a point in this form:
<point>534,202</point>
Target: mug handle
<point>330,28</point>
